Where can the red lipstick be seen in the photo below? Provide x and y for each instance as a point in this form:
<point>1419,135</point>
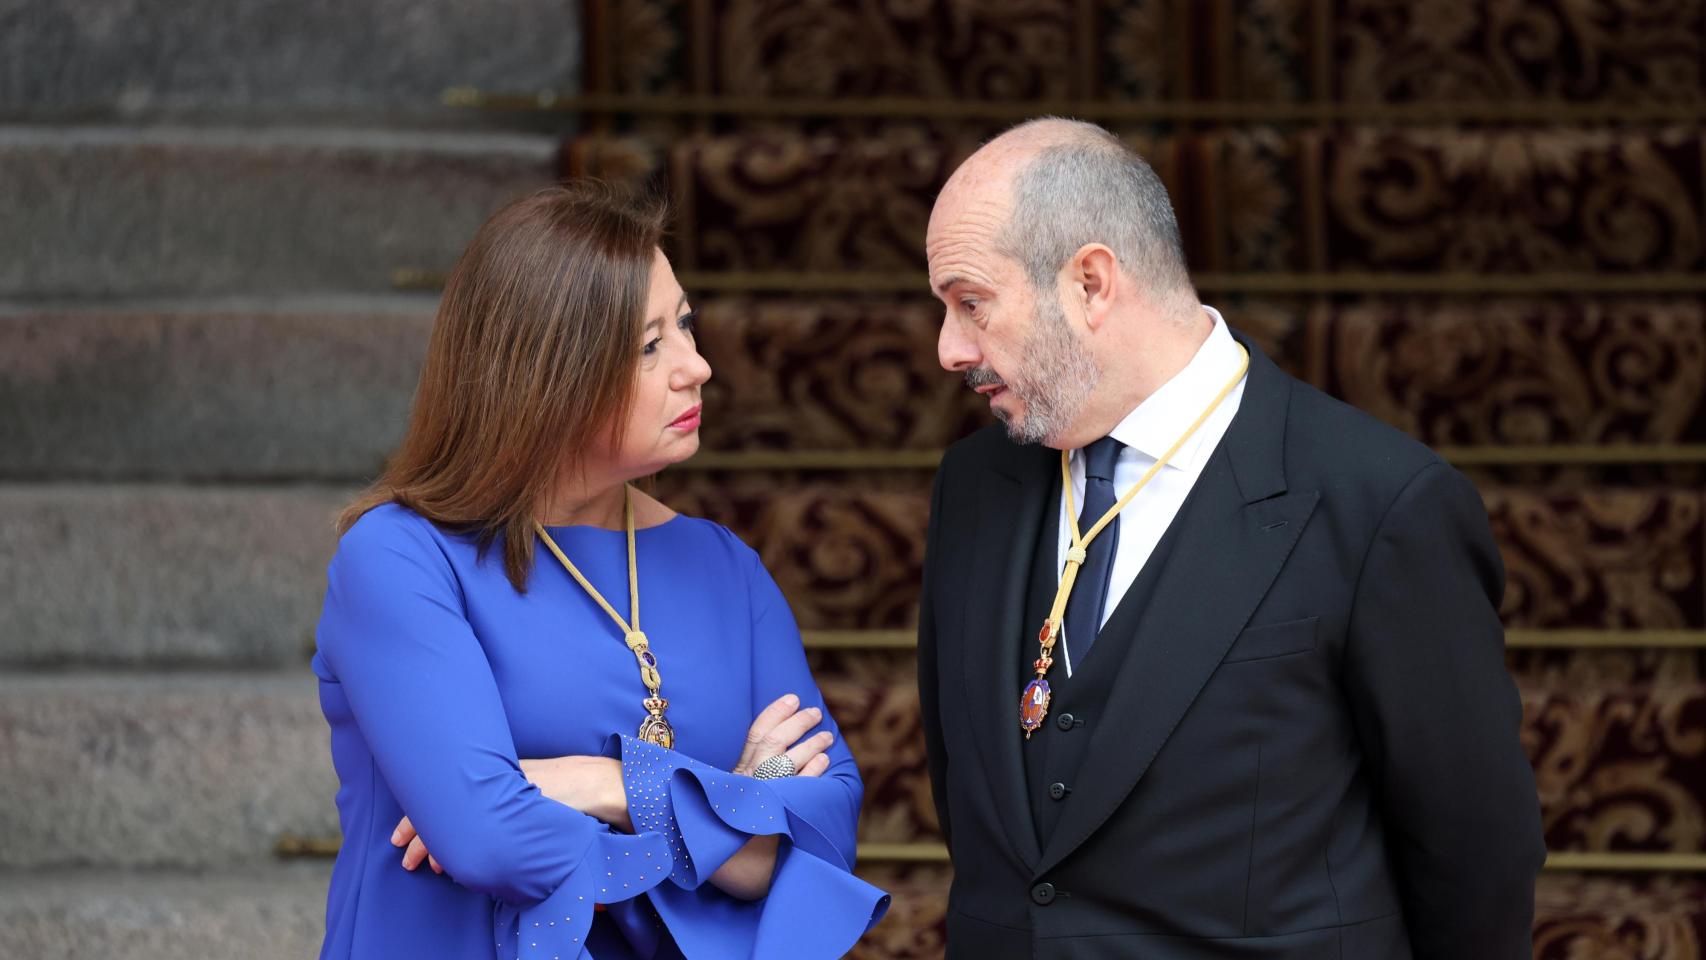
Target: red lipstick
<point>689,420</point>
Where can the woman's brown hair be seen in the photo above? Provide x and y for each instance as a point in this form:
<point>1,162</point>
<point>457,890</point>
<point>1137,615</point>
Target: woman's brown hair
<point>532,361</point>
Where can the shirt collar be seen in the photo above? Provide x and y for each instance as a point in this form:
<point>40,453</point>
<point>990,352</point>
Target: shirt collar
<point>1157,422</point>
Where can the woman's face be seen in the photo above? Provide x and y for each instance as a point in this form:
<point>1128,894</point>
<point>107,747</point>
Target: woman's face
<point>664,426</point>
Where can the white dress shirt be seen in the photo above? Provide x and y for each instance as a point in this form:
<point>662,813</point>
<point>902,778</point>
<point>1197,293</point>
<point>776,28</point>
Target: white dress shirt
<point>1148,432</point>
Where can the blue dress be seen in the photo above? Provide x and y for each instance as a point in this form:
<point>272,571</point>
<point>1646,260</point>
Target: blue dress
<point>436,675</point>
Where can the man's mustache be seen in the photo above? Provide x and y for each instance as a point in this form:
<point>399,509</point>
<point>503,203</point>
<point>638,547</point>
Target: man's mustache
<point>983,377</point>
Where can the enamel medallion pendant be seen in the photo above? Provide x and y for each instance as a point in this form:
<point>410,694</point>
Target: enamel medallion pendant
<point>1033,702</point>
<point>655,729</point>
<point>1033,705</point>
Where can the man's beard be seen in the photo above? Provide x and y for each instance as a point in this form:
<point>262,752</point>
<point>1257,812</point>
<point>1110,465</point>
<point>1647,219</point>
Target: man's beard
<point>1055,382</point>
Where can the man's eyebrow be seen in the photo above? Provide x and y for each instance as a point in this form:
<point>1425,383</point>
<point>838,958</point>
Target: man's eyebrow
<point>948,281</point>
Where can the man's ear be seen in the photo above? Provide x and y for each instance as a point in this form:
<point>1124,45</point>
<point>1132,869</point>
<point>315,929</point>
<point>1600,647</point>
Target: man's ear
<point>1095,276</point>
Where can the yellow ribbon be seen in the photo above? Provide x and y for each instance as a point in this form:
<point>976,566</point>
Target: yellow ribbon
<point>1079,549</point>
<point>631,635</point>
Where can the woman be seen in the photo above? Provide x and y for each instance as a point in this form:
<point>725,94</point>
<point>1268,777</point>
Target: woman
<point>590,716</point>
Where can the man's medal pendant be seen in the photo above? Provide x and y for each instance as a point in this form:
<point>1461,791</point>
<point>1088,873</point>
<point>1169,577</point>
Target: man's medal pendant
<point>1033,702</point>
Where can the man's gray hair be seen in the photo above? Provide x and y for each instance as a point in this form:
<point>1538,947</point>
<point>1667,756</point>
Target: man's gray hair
<point>1092,188</point>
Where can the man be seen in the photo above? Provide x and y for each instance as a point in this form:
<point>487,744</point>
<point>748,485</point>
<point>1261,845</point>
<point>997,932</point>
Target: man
<point>1269,716</point>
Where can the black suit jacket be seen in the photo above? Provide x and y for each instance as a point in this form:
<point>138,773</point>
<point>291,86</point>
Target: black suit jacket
<point>1312,746</point>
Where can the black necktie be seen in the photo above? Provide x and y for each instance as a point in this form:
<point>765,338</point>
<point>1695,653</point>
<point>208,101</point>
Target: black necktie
<point>1090,592</point>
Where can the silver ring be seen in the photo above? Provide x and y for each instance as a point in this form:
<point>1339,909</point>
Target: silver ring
<point>781,765</point>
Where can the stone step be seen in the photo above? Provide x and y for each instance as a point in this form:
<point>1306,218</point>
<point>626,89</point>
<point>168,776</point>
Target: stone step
<point>314,388</point>
<point>162,575</point>
<point>191,770</point>
<point>104,212</point>
<point>136,57</point>
<point>319,387</point>
<point>177,574</point>
<point>277,912</point>
<point>266,912</point>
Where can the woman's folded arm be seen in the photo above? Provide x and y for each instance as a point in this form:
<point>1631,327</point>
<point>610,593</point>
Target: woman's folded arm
<point>422,693</point>
<point>812,906</point>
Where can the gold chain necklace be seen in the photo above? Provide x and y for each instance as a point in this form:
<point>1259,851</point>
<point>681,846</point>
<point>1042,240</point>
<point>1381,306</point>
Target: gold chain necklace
<point>653,729</point>
<point>1033,702</point>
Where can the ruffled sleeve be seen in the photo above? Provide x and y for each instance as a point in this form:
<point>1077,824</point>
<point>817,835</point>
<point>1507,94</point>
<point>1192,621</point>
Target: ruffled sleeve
<point>815,906</point>
<point>616,869</point>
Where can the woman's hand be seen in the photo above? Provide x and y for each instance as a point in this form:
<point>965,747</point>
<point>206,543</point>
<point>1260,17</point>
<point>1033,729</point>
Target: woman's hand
<point>777,729</point>
<point>405,835</point>
<point>592,785</point>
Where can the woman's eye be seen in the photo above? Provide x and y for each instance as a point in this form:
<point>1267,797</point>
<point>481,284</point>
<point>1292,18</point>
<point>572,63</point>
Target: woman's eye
<point>689,321</point>
<point>651,346</point>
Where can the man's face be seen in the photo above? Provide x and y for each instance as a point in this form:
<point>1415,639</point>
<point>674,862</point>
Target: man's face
<point>1013,344</point>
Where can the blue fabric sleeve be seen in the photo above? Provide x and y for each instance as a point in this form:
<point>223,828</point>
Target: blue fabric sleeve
<point>815,907</point>
<point>422,693</point>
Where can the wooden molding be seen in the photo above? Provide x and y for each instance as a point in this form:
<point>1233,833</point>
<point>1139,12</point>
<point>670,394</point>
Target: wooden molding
<point>1130,111</point>
<point>1605,639</point>
<point>1514,639</point>
<point>1627,862</point>
<point>1275,284</point>
<point>1476,456</point>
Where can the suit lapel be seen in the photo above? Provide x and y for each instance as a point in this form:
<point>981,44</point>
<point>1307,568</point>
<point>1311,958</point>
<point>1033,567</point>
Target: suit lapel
<point>1239,526</point>
<point>1011,504</point>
